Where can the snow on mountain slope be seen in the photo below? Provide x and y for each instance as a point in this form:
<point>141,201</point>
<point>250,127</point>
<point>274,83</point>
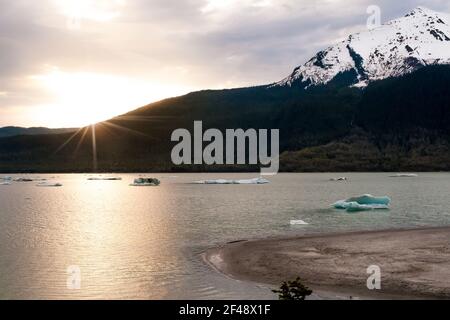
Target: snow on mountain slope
<point>420,38</point>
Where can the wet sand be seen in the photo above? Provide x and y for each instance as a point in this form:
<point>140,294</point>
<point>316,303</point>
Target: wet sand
<point>414,263</point>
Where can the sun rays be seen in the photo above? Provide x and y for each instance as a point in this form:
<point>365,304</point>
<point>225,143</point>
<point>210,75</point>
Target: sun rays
<point>108,128</point>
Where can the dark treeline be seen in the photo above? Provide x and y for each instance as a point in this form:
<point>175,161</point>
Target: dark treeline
<point>394,124</point>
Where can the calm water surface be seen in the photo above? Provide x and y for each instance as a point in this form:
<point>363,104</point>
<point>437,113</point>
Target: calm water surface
<point>146,243</point>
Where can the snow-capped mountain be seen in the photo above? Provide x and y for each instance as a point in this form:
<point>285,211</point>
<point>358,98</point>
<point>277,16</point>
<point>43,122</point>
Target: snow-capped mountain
<point>403,45</point>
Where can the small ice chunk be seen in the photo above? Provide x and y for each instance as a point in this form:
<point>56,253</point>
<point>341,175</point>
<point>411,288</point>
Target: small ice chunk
<point>298,222</point>
<point>339,179</point>
<point>24,179</point>
<point>252,181</point>
<point>5,181</point>
<point>218,181</point>
<point>49,184</point>
<point>145,182</point>
<point>242,181</point>
<point>404,175</point>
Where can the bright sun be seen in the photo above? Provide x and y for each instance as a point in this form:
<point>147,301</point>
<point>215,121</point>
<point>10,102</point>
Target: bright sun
<point>80,99</point>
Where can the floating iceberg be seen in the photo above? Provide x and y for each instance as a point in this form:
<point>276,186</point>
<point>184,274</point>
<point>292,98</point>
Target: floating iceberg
<point>297,222</point>
<point>104,179</point>
<point>145,182</point>
<point>404,175</point>
<point>6,178</point>
<point>355,206</point>
<point>49,184</point>
<point>369,199</point>
<point>242,181</point>
<point>364,202</point>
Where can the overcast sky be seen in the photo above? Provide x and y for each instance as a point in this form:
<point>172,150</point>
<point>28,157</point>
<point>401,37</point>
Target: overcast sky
<point>72,62</point>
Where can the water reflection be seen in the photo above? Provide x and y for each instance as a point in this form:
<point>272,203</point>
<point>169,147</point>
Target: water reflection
<point>133,242</point>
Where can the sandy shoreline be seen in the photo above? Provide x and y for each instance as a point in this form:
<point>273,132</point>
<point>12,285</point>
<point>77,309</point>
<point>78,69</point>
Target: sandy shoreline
<point>414,263</point>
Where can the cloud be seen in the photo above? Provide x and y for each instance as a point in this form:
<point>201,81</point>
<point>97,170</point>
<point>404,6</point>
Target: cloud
<point>190,44</point>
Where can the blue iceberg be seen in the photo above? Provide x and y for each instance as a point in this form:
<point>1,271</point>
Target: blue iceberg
<point>364,202</point>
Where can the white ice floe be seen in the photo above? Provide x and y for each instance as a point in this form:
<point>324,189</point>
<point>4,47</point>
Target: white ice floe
<point>339,179</point>
<point>5,183</point>
<point>49,184</point>
<point>404,175</point>
<point>298,222</point>
<point>104,179</point>
<point>242,181</point>
<point>145,182</point>
<point>6,178</point>
<point>364,202</point>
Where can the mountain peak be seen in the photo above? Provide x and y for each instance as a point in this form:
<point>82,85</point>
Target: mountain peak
<point>420,38</point>
<point>420,10</point>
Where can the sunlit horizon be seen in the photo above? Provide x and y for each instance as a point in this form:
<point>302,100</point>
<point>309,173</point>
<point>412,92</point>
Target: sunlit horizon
<point>83,98</point>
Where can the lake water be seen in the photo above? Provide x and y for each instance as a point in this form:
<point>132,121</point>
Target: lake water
<point>146,242</point>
